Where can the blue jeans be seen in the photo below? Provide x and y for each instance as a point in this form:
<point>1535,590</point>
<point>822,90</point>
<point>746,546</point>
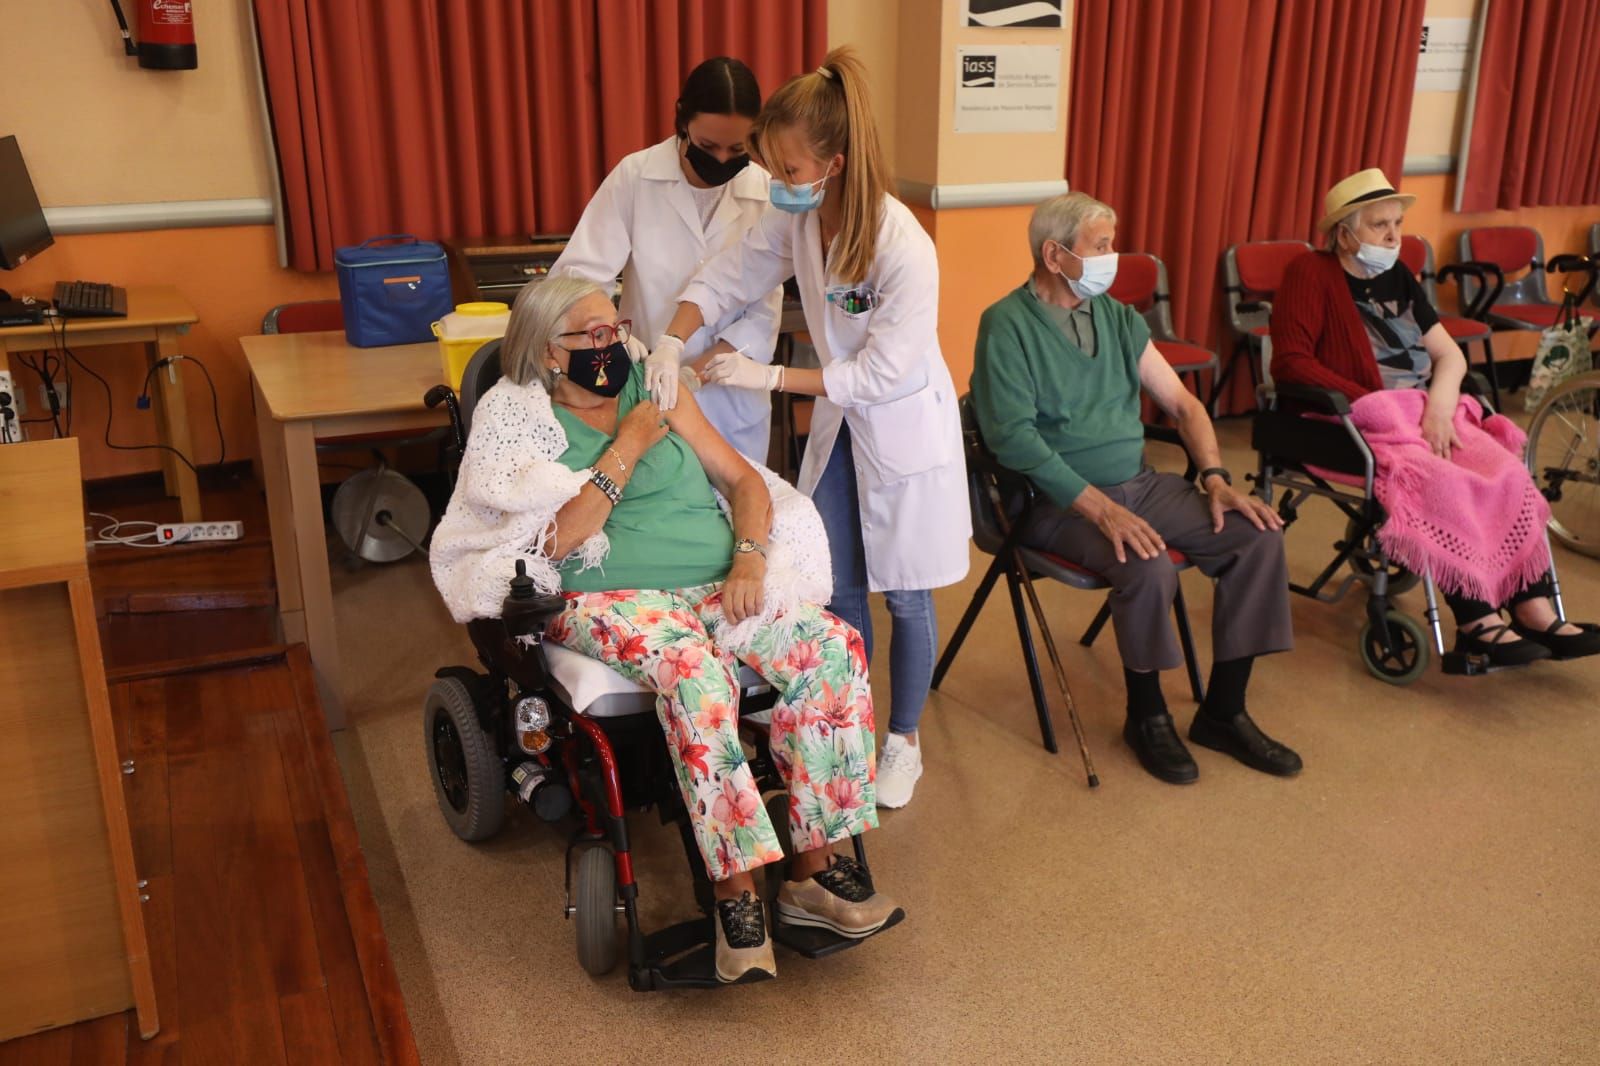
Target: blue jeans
<point>914,640</point>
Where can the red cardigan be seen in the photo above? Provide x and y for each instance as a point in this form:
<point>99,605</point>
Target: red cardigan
<point>1317,335</point>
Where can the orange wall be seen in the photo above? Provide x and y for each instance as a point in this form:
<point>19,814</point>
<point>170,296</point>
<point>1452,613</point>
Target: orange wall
<point>230,275</point>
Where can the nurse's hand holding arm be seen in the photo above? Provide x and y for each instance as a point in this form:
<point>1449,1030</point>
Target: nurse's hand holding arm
<point>661,370</point>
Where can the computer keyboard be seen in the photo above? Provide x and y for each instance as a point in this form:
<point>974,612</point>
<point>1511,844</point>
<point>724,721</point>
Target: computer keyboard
<point>91,299</point>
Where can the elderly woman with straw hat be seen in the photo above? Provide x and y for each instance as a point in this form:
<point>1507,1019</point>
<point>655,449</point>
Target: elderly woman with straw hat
<point>1354,319</point>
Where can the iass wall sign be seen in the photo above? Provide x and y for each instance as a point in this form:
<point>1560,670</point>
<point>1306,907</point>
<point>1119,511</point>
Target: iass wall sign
<point>1009,88</point>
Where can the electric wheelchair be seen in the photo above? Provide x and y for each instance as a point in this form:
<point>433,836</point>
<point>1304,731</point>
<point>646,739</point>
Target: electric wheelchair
<point>1327,456</point>
<point>580,745</point>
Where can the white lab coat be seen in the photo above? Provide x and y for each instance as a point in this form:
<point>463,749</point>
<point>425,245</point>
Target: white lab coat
<point>643,224</point>
<point>884,375</point>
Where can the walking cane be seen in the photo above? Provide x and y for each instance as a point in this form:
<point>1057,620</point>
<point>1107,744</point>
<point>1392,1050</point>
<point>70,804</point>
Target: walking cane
<point>1049,641</point>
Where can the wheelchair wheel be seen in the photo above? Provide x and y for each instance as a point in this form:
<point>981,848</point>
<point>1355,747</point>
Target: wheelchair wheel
<point>1400,579</point>
<point>1564,458</point>
<point>468,778</point>
<point>1406,657</point>
<point>595,902</point>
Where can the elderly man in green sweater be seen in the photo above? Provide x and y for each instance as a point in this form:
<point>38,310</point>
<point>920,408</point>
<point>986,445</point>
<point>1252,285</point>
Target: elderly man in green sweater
<point>1056,388</point>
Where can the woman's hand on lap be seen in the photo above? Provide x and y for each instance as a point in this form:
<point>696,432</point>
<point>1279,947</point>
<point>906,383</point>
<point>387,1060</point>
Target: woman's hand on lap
<point>744,593</point>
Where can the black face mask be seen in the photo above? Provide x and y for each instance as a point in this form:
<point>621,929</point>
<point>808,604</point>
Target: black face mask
<point>712,170</point>
<point>602,371</point>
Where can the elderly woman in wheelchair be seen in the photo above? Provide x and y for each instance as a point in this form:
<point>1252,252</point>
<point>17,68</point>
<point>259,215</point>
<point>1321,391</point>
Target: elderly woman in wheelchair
<point>676,561</point>
<point>1355,339</point>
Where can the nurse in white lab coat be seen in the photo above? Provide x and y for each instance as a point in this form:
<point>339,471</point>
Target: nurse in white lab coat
<point>883,461</point>
<point>664,211</point>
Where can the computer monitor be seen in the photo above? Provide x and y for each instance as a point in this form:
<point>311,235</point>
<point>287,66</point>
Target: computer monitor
<point>23,231</point>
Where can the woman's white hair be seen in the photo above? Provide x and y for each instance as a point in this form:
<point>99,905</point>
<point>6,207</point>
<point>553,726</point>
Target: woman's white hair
<point>536,318</point>
<point>1060,219</point>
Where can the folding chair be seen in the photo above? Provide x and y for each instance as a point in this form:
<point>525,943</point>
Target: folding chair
<point>1141,283</point>
<point>1001,502</point>
<point>1489,254</point>
<point>1417,254</point>
<point>1252,272</point>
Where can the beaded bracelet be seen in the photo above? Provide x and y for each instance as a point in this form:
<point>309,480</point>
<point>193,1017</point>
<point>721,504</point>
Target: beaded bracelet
<point>604,483</point>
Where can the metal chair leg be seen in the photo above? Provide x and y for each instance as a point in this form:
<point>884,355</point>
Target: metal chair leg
<point>979,598</point>
<point>1047,728</point>
<point>1092,634</point>
<point>1186,640</point>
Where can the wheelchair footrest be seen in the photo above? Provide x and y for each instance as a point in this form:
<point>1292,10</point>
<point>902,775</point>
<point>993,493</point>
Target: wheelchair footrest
<point>683,956</point>
<point>815,943</point>
<point>1464,664</point>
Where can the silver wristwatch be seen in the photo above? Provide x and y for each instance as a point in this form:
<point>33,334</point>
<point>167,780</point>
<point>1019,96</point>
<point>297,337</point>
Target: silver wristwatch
<point>744,546</point>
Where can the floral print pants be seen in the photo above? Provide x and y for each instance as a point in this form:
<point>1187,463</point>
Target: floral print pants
<point>822,725</point>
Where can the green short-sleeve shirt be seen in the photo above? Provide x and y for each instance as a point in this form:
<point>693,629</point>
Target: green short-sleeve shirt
<point>667,532</point>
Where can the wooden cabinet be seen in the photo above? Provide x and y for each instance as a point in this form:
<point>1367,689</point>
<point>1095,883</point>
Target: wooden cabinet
<point>72,940</point>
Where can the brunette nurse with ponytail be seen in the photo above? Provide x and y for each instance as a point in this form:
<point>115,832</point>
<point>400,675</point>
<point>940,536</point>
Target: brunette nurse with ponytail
<point>883,461</point>
<point>668,208</point>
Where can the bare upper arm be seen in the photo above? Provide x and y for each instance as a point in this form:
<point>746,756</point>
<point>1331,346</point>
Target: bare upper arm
<point>724,465</point>
<point>1162,382</point>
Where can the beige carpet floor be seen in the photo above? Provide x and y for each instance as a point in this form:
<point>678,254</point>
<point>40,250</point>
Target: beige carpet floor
<point>1428,890</point>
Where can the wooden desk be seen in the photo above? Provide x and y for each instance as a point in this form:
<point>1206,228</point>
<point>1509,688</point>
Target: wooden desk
<point>72,939</point>
<point>311,386</point>
<point>157,317</point>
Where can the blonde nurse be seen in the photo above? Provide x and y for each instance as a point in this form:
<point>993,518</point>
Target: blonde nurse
<point>883,461</point>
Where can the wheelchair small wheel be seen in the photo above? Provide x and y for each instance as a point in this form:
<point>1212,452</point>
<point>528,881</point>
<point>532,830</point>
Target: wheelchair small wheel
<point>468,778</point>
<point>1400,579</point>
<point>595,900</point>
<point>1404,659</point>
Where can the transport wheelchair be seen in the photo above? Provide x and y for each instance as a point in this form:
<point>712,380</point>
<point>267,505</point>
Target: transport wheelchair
<point>579,745</point>
<point>1328,457</point>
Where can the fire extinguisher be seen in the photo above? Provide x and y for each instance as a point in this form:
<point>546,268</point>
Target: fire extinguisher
<point>166,34</point>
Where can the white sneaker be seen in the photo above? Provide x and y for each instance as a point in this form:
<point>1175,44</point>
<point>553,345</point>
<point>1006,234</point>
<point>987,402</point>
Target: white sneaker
<point>899,766</point>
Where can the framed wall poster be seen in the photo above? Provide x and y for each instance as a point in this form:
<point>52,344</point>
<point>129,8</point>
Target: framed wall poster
<point>1008,88</point>
<point>1008,13</point>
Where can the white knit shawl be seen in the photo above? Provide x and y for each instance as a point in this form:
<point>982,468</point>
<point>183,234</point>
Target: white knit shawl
<point>511,485</point>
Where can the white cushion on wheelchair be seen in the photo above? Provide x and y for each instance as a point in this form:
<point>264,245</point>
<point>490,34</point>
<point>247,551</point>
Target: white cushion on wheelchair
<point>595,689</point>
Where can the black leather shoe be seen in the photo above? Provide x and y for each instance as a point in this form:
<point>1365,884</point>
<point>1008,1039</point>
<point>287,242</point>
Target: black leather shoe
<point>1570,646</point>
<point>1155,740</point>
<point>1240,737</point>
<point>1485,641</point>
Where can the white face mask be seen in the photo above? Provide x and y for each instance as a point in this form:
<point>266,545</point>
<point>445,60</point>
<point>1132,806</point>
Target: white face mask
<point>1376,258</point>
<point>1099,271</point>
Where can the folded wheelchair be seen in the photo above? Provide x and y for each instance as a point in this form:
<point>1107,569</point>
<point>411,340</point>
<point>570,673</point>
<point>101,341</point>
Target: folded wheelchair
<point>1327,456</point>
<point>579,745</point>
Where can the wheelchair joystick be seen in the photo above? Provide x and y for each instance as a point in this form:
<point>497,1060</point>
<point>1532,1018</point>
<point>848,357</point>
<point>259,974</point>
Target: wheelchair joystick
<point>525,611</point>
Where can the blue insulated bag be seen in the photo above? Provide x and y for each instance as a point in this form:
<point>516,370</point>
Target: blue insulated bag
<point>392,289</point>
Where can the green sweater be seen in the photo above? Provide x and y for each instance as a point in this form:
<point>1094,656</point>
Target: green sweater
<point>1046,410</point>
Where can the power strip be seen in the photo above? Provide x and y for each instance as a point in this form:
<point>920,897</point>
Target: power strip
<point>10,429</point>
<point>191,532</point>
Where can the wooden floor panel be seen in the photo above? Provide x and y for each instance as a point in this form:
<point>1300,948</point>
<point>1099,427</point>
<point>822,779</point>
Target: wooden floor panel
<point>259,912</point>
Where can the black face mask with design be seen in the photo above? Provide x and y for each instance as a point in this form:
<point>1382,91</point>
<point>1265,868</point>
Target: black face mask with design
<point>602,371</point>
<point>712,170</point>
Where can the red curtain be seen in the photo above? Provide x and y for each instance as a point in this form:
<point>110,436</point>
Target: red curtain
<point>460,117</point>
<point>1536,112</point>
<point>1205,125</point>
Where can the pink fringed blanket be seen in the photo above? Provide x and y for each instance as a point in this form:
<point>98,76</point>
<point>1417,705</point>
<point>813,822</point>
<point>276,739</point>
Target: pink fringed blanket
<point>1475,521</point>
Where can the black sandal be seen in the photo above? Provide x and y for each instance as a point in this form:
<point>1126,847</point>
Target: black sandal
<point>1563,645</point>
<point>1484,641</point>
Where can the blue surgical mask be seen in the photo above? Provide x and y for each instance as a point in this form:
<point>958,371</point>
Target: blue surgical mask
<point>1099,271</point>
<point>1376,258</point>
<point>799,199</point>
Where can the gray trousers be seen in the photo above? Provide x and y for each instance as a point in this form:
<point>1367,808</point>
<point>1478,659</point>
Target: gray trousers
<point>1251,610</point>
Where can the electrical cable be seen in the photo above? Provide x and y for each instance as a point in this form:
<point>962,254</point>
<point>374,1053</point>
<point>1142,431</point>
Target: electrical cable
<point>111,536</point>
<point>216,407</point>
<point>111,403</point>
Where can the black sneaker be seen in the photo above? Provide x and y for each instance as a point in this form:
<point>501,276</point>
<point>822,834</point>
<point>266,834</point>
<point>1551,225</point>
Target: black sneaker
<point>743,948</point>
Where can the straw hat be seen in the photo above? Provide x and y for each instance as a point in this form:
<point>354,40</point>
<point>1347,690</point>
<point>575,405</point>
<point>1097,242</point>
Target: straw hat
<point>1357,191</point>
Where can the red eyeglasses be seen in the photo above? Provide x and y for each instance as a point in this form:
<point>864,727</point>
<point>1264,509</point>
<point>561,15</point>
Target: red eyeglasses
<point>604,336</point>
